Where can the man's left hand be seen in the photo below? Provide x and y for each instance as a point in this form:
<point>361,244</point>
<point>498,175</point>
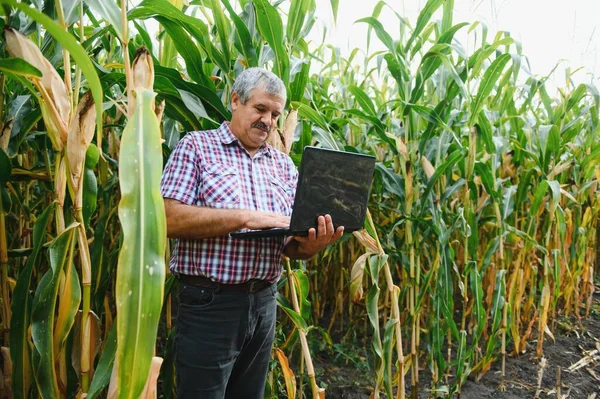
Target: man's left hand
<point>320,237</point>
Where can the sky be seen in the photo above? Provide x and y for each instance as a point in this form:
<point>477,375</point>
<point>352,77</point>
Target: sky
<point>550,31</point>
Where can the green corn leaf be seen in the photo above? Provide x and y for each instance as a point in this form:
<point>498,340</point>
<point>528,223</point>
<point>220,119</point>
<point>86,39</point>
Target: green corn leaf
<point>476,61</point>
<point>296,16</point>
<point>484,171</point>
<point>302,290</point>
<point>484,128</point>
<point>18,66</point>
<point>538,197</point>
<point>478,310</point>
<point>42,315</point>
<point>373,313</point>
<point>308,113</point>
<point>110,11</point>
<point>452,160</point>
<point>141,264</point>
<point>71,10</point>
<point>298,85</point>
<point>388,350</point>
<point>496,310</point>
<point>363,99</point>
<point>187,49</point>
<point>380,31</point>
<point>168,56</point>
<point>105,365</point>
<point>90,184</point>
<point>21,311</point>
<point>487,84</point>
<point>335,4</point>
<point>223,30</point>
<point>77,52</point>
<point>243,40</point>
<point>270,27</point>
<point>508,202</point>
<point>426,13</point>
<point>69,299</point>
<point>447,16</point>
<point>296,318</point>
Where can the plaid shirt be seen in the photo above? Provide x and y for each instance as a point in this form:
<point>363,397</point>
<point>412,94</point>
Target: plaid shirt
<point>212,169</point>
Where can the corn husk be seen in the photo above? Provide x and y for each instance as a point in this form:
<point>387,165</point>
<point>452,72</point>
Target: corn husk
<point>274,139</point>
<point>427,167</point>
<point>56,107</point>
<point>159,110</point>
<point>357,277</point>
<point>367,241</point>
<point>143,70</point>
<point>5,135</point>
<point>81,133</point>
<point>289,129</point>
<point>150,388</point>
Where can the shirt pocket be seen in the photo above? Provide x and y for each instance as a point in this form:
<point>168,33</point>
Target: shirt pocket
<point>282,195</point>
<point>221,186</point>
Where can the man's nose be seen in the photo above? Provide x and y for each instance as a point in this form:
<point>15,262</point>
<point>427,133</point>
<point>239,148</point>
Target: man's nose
<point>266,118</point>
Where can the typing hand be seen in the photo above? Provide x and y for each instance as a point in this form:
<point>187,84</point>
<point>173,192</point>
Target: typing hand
<point>256,220</point>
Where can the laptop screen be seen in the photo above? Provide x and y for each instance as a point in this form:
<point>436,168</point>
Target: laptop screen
<point>335,183</point>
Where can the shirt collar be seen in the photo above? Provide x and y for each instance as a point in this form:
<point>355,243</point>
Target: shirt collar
<point>227,137</point>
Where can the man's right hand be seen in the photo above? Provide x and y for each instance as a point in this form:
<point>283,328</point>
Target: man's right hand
<point>256,220</point>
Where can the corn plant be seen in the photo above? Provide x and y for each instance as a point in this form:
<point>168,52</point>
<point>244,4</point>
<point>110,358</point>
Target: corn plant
<point>483,212</point>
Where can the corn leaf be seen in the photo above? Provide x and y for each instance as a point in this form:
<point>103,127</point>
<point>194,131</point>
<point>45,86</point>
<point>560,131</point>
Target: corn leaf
<point>424,16</point>
<point>296,16</point>
<point>223,29</point>
<point>335,4</point>
<point>288,374</point>
<point>243,40</point>
<point>108,10</point>
<point>296,318</point>
<point>270,27</point>
<point>90,183</point>
<point>141,264</point>
<point>488,83</point>
<point>77,52</point>
<point>42,316</point>
<point>19,66</point>
<point>105,365</point>
<point>21,311</point>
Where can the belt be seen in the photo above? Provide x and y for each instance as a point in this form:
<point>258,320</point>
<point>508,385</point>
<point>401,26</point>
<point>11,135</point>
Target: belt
<point>201,281</point>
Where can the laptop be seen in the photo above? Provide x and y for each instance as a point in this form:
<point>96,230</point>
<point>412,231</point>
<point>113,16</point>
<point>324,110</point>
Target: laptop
<point>329,182</point>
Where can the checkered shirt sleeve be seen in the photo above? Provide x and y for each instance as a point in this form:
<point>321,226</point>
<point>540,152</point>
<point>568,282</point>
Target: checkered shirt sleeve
<point>181,174</point>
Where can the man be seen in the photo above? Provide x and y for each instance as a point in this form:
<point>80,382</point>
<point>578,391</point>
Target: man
<point>217,182</point>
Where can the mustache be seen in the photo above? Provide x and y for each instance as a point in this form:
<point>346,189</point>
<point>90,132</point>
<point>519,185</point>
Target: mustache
<point>261,126</point>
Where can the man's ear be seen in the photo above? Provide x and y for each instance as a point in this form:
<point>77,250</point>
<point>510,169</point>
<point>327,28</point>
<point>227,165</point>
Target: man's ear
<point>235,101</point>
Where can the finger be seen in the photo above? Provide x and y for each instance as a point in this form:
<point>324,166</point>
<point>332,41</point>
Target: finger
<point>328,225</point>
<point>312,234</point>
<point>321,226</point>
<point>339,232</point>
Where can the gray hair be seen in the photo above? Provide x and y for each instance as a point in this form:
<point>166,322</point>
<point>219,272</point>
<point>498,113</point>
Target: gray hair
<point>253,78</point>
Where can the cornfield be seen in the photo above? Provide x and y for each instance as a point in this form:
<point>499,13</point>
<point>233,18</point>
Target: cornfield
<point>483,217</point>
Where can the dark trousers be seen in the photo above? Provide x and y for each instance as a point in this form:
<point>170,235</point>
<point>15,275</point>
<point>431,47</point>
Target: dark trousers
<point>223,342</point>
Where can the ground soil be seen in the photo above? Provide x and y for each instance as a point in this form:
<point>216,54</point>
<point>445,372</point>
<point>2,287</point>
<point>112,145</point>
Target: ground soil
<point>573,340</point>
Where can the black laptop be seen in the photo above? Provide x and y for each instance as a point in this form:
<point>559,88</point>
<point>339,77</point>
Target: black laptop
<point>329,182</point>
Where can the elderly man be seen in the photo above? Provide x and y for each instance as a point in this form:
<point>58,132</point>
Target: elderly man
<point>217,182</point>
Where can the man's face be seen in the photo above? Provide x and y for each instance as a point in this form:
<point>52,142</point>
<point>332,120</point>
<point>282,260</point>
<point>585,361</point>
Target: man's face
<point>252,122</point>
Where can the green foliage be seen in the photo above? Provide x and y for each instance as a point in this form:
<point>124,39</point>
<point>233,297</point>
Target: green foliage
<point>484,195</point>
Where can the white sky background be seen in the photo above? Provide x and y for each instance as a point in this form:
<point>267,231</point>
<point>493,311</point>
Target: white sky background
<point>549,30</point>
